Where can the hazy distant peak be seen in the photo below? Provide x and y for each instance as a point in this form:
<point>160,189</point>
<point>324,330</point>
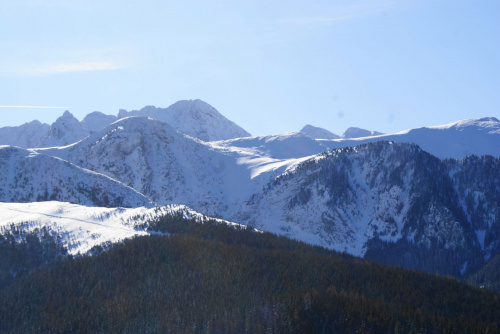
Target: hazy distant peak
<point>36,123</point>
<point>148,109</point>
<point>354,132</point>
<point>67,114</point>
<point>67,119</point>
<point>122,113</point>
<point>65,130</point>
<point>94,113</point>
<point>318,133</point>
<point>195,108</point>
<point>195,118</point>
<point>96,121</point>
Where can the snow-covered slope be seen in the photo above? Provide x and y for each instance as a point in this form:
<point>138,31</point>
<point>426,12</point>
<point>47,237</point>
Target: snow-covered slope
<point>28,176</point>
<point>27,135</point>
<point>318,133</point>
<point>228,179</point>
<point>343,199</point>
<point>354,132</point>
<point>83,227</point>
<point>289,145</point>
<point>195,118</point>
<point>456,140</point>
<point>165,165</point>
<point>348,199</point>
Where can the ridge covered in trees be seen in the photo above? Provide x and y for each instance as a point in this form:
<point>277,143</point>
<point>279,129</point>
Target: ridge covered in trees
<point>213,278</point>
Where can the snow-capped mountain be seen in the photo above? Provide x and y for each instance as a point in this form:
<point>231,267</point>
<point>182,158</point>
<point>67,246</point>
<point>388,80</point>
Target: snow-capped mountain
<point>28,176</point>
<point>165,165</point>
<point>195,118</point>
<point>217,178</point>
<point>64,131</point>
<point>318,133</point>
<point>354,132</point>
<point>395,202</point>
<point>96,121</point>
<point>26,135</point>
<point>456,140</point>
<point>394,193</point>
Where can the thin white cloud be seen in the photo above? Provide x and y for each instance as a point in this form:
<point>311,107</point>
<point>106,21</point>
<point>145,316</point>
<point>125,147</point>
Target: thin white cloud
<point>35,107</point>
<point>77,67</point>
<point>40,69</point>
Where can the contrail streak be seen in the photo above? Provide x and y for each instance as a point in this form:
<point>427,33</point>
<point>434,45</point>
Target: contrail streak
<point>35,107</point>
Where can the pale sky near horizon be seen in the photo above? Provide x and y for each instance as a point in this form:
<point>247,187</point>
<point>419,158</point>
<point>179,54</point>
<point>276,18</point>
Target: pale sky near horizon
<point>269,66</point>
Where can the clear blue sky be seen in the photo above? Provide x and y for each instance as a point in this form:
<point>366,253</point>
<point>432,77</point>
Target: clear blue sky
<point>270,66</point>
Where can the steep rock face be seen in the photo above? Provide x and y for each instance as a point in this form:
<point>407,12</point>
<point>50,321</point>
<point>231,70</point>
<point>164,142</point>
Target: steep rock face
<point>26,136</point>
<point>64,131</point>
<point>28,176</point>
<point>379,196</point>
<point>195,118</point>
<point>318,133</point>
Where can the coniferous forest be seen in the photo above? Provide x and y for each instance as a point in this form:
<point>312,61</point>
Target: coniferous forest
<point>210,278</point>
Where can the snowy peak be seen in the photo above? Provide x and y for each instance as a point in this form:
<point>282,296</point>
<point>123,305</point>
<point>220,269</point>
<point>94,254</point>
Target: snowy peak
<point>26,135</point>
<point>354,132</point>
<point>96,121</point>
<point>158,161</point>
<point>195,118</point>
<point>318,133</point>
<point>64,131</point>
<point>120,138</point>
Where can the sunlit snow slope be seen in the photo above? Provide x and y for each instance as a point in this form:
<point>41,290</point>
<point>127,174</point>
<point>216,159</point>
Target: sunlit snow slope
<point>83,227</point>
<point>455,140</point>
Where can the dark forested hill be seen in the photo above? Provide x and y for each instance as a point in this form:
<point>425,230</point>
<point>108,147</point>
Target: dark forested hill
<point>213,278</point>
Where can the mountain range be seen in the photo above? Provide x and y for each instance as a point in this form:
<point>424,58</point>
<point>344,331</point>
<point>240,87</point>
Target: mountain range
<point>425,198</point>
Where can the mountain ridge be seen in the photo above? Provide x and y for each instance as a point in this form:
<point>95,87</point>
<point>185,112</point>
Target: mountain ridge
<point>195,118</point>
<point>479,136</point>
<point>29,176</point>
<point>404,194</point>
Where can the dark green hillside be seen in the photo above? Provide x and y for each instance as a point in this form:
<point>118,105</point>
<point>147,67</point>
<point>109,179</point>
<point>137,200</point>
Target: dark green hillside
<point>489,275</point>
<point>216,279</point>
<point>37,250</point>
